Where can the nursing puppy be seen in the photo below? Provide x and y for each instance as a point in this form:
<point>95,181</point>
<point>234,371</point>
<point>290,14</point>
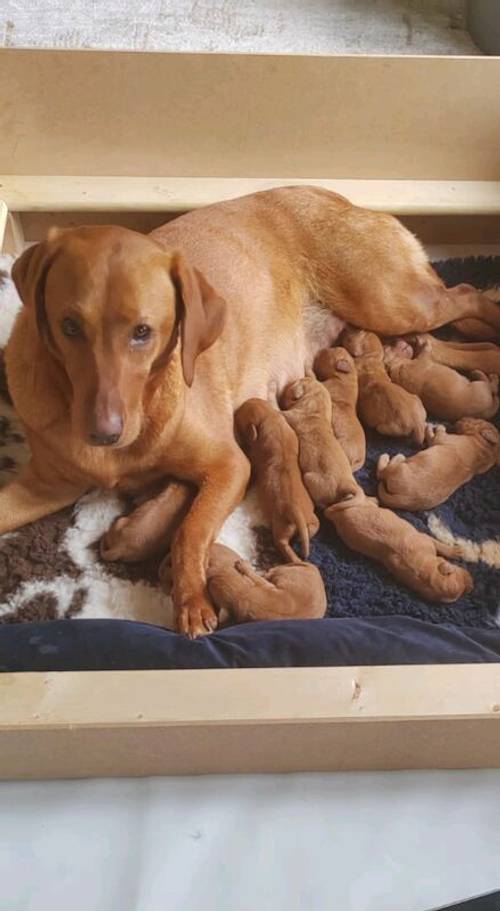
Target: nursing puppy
<point>431,476</point>
<point>324,465</point>
<point>335,368</point>
<point>292,592</point>
<point>413,558</point>
<point>149,531</point>
<point>443,392</point>
<point>383,405</point>
<point>273,450</point>
<point>466,356</point>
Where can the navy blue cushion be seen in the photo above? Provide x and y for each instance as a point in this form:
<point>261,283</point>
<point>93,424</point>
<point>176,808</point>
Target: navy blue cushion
<point>91,645</point>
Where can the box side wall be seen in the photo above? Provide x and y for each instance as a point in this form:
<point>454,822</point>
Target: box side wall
<point>119,113</point>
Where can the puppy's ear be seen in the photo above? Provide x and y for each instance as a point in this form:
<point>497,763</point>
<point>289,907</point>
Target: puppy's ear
<point>29,274</point>
<point>343,366</point>
<point>251,433</point>
<point>490,435</point>
<point>445,568</point>
<point>201,312</point>
<point>353,340</point>
<point>297,391</point>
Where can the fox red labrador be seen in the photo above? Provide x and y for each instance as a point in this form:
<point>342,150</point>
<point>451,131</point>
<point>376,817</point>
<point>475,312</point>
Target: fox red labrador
<point>132,352</point>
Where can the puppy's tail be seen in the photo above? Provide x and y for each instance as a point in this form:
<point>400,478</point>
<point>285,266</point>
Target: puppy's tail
<point>303,533</point>
<point>288,552</point>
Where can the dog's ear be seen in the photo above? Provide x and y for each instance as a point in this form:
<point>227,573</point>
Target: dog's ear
<point>343,366</point>
<point>445,568</point>
<point>353,340</point>
<point>29,274</point>
<point>490,435</point>
<point>297,391</point>
<point>250,433</point>
<point>201,312</point>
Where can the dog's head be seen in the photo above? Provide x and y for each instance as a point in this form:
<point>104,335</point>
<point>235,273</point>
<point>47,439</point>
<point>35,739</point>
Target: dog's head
<point>307,391</point>
<point>361,343</point>
<point>249,417</point>
<point>111,307</point>
<point>476,426</point>
<point>334,362</point>
<point>488,437</point>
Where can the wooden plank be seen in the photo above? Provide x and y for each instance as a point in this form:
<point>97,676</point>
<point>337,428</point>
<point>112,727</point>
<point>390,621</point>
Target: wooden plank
<point>282,719</point>
<point>223,115</point>
<point>38,193</point>
<point>3,222</point>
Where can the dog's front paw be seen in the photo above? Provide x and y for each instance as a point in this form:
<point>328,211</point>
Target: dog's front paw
<point>195,617</point>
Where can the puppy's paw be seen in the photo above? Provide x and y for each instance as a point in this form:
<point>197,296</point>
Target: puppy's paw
<point>243,567</point>
<point>195,617</point>
<point>431,432</point>
<point>112,545</point>
<point>383,463</point>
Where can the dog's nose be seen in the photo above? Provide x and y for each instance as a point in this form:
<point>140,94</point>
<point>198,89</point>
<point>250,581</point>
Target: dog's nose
<point>104,439</point>
<point>107,431</point>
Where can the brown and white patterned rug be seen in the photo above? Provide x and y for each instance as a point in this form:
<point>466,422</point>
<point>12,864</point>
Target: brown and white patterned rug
<point>51,569</point>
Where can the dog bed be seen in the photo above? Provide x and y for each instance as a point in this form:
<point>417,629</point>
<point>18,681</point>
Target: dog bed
<point>51,571</point>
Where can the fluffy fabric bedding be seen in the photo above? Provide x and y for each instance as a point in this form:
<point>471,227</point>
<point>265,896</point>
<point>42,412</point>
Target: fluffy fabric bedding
<point>51,570</point>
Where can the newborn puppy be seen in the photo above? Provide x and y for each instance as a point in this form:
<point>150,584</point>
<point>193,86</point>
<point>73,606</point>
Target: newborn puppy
<point>413,558</point>
<point>466,356</point>
<point>149,530</point>
<point>324,465</point>
<point>444,392</point>
<point>273,450</point>
<point>428,478</point>
<point>335,368</point>
<point>383,405</point>
<point>292,592</point>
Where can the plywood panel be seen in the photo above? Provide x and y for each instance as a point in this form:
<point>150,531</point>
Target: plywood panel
<point>282,719</point>
<point>35,193</point>
<point>122,113</point>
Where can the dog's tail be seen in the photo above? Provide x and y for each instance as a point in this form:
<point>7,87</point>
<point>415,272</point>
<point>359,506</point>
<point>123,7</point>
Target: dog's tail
<point>303,533</point>
<point>288,552</point>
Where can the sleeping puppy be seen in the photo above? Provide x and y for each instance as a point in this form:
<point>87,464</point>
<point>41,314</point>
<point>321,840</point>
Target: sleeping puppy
<point>465,356</point>
<point>428,478</point>
<point>292,592</point>
<point>444,392</point>
<point>383,405</point>
<point>335,368</point>
<point>324,465</point>
<point>148,532</point>
<point>273,450</point>
<point>413,558</point>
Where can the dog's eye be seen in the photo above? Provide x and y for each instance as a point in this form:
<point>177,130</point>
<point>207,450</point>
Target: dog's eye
<point>71,328</point>
<point>141,333</point>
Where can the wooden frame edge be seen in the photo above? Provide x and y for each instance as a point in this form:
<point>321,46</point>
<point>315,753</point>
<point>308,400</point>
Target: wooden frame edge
<point>3,223</point>
<point>38,193</point>
<point>120,723</point>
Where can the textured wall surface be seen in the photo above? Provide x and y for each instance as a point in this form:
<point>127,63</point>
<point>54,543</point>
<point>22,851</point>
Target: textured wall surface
<point>266,26</point>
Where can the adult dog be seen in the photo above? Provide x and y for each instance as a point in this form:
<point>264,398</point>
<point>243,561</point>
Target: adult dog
<point>132,352</point>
